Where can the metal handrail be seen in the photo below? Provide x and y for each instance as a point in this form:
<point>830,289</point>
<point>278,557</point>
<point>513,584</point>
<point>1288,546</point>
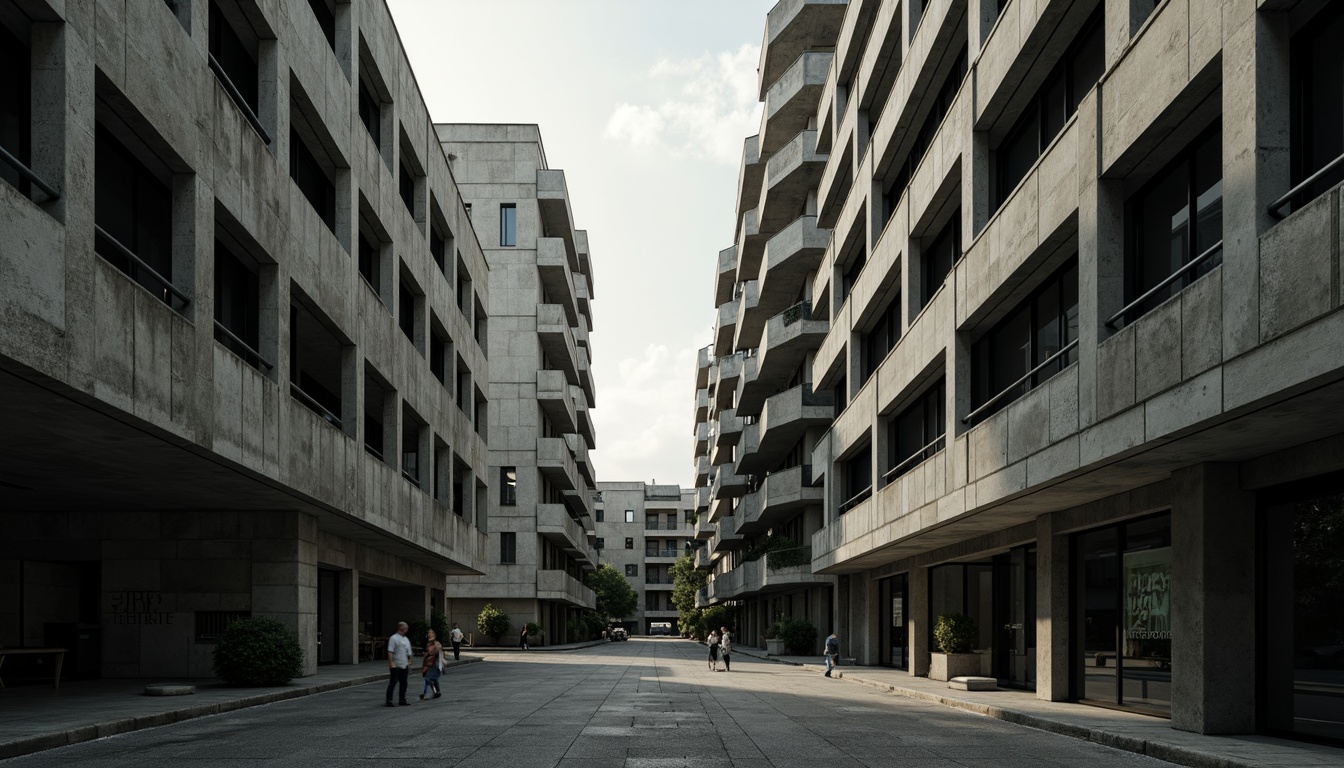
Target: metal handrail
<point>856,499</point>
<point>28,174</point>
<point>1110,323</point>
<point>238,99</point>
<point>297,391</point>
<point>139,262</point>
<point>369,449</point>
<point>409,476</point>
<point>1297,190</point>
<point>1025,377</point>
<point>909,461</point>
<point>220,327</point>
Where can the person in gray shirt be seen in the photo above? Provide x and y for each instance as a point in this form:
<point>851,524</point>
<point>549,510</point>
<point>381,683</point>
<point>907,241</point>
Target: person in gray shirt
<point>398,664</point>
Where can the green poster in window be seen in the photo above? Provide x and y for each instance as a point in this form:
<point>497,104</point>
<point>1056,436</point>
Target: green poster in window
<point>1148,594</point>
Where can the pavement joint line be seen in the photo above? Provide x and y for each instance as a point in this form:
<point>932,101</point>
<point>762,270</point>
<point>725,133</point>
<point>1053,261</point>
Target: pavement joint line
<point>1171,753</point>
<point>95,731</point>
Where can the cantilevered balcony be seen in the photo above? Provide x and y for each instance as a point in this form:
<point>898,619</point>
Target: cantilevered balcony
<point>579,448</point>
<point>557,220</point>
<point>789,336</point>
<point>555,524</point>
<point>583,293</point>
<point>556,277</point>
<point>750,245</point>
<point>746,308</point>
<point>725,328</point>
<point>586,376</point>
<point>556,462</point>
<point>560,587</point>
<point>725,276</point>
<point>792,100</point>
<point>704,358</point>
<point>704,530</point>
<point>702,559</point>
<point>701,500</point>
<point>581,503</point>
<point>726,538</point>
<point>553,394</point>
<point>702,471</point>
<point>730,428</point>
<point>727,484</point>
<point>557,340</point>
<point>584,415</point>
<point>730,368</point>
<point>701,439</point>
<point>784,419</point>
<point>742,581</point>
<point>750,173</point>
<point>701,405</point>
<point>786,492</point>
<point>792,27</point>
<point>793,253</point>
<point>790,174</point>
<point>748,514</point>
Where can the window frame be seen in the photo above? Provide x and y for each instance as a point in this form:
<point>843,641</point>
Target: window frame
<point>508,486</point>
<point>508,548</point>
<point>508,225</point>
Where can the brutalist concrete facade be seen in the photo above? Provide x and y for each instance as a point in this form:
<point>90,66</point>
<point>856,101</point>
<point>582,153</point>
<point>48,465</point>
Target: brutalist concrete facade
<point>541,387</point>
<point>160,474</point>
<point>642,530</point>
<point>1101,490</point>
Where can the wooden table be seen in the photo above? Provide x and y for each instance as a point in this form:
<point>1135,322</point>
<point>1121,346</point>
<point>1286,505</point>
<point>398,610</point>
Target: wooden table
<point>58,652</point>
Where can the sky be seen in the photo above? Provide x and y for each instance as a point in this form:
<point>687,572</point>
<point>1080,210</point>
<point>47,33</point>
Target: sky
<point>644,104</point>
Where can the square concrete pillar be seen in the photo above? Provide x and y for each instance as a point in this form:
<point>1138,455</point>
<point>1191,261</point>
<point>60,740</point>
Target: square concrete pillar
<point>284,576</point>
<point>919,620</point>
<point>1213,647</point>
<point>1052,611</point>
<point>347,617</point>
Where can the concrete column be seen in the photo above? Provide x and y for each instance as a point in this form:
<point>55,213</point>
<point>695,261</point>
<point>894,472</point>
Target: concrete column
<point>1052,611</point>
<point>1213,601</point>
<point>918,609</point>
<point>868,650</point>
<point>347,616</point>
<point>284,576</point>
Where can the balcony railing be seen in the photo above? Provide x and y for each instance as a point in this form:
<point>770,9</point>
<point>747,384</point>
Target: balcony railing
<point>238,99</point>
<point>914,459</point>
<point>856,499</point>
<point>800,311</point>
<point>990,403</point>
<point>236,344</point>
<point>660,526</point>
<point>313,405</point>
<point>1276,207</point>
<point>28,174</point>
<point>1173,277</point>
<point>170,291</point>
<point>657,579</point>
<point>662,552</point>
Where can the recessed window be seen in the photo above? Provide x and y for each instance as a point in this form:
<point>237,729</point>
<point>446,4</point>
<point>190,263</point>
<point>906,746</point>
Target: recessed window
<point>370,261</point>
<point>133,213</point>
<point>852,271</point>
<point>406,310</point>
<point>438,248</point>
<point>234,52</point>
<point>1036,330</point>
<point>942,102</point>
<point>1317,87</point>
<point>632,569</point>
<point>601,542</point>
<point>917,432</point>
<point>325,14</point>
<point>16,116</point>
<point>508,547</point>
<point>939,255</point>
<point>463,288</point>
<point>237,302</point>
<point>312,179</point>
<point>629,543</point>
<point>406,188</point>
<point>856,478</point>
<point>508,486</point>
<point>629,515</point>
<point>371,113</point>
<point>438,355</point>
<point>600,515</point>
<point>410,444</point>
<point>508,224</point>
<point>881,338</point>
<point>1176,218</point>
<point>315,363</point>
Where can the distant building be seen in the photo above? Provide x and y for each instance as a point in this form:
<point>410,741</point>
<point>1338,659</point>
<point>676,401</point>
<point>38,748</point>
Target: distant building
<point>540,390</point>
<point>234,272</point>
<point>642,529</point>
<point>1057,288</point>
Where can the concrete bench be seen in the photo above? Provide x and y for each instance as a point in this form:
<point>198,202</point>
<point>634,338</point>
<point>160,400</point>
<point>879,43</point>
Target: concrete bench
<point>973,683</point>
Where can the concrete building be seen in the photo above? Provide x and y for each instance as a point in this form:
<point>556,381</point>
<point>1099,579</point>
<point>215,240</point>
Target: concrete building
<point>235,273</point>
<point>758,417</point>
<point>642,529</point>
<point>540,503</point>
<point>1080,298</point>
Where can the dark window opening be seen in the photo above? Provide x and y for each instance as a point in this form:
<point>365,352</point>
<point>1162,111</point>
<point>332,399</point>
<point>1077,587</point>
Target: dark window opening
<point>632,569</point>
<point>508,224</point>
<point>406,188</point>
<point>878,342</point>
<point>371,113</point>
<point>629,543</point>
<point>600,543</point>
<point>939,257</point>
<point>917,432</point>
<point>856,478</point>
<point>16,100</point>
<point>463,288</point>
<point>461,477</point>
<point>479,418</point>
<point>942,102</point>
<point>312,179</point>
<point>375,401</point>
<point>1176,218</point>
<point>133,209</point>
<point>438,249</point>
<point>410,444</point>
<point>235,50</point>
<point>508,486</point>
<point>463,386</point>
<point>1316,82</point>
<point>852,271</point>
<point>315,368</point>
<point>371,261</point>
<point>406,310</point>
<point>325,13</point>
<point>438,356</point>
<point>508,547</point>
<point>237,303</point>
<point>1038,328</point>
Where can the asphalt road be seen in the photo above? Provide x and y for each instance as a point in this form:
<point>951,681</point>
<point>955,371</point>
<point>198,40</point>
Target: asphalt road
<point>636,704</point>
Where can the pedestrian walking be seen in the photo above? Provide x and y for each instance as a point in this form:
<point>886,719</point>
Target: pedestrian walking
<point>455,637</point>
<point>713,642</point>
<point>431,666</point>
<point>398,664</point>
<point>725,649</point>
<point>522,638</point>
<point>832,652</point>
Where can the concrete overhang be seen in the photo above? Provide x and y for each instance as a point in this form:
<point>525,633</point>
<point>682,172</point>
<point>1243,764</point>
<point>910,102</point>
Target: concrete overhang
<point>792,100</point>
<point>790,174</point>
<point>784,419</point>
<point>557,220</point>
<point>556,277</point>
<point>749,174</point>
<point>790,256</point>
<point>792,27</point>
<point>557,340</point>
<point>553,394</point>
<point>726,275</point>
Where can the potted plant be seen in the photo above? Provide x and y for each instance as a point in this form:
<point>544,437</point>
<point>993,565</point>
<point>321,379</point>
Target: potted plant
<point>954,634</point>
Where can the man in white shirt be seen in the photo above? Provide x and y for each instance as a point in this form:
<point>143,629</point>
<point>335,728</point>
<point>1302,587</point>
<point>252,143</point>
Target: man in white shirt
<point>398,664</point>
<point>456,637</point>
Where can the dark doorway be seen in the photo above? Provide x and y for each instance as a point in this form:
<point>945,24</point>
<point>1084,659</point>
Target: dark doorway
<point>328,617</point>
<point>999,594</point>
<point>894,645</point>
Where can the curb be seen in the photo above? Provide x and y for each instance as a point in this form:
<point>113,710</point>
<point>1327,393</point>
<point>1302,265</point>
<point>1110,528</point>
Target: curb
<point>83,733</point>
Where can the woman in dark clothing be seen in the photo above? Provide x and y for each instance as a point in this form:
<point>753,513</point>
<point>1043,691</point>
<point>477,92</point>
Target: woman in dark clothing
<point>522,638</point>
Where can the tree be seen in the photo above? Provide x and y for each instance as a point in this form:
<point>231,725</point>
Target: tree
<point>686,582</point>
<point>615,597</point>
<point>493,622</point>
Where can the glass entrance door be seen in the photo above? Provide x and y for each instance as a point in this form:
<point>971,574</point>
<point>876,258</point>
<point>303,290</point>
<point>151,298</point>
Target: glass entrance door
<point>894,644</point>
<point>1015,616</point>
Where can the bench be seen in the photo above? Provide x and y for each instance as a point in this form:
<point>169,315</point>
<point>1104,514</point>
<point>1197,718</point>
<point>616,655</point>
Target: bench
<point>59,653</point>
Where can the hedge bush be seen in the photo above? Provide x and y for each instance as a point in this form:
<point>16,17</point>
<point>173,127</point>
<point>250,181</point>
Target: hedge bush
<point>955,633</point>
<point>493,623</point>
<point>799,635</point>
<point>258,651</point>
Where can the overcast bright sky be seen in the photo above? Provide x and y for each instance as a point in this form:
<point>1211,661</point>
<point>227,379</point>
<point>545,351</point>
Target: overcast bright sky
<point>644,105</point>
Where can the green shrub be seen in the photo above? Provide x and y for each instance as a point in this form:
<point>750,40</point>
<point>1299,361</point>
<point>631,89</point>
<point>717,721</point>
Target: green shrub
<point>258,651</point>
<point>955,633</point>
<point>417,631</point>
<point>533,630</point>
<point>713,617</point>
<point>438,621</point>
<point>493,623</point>
<point>799,635</point>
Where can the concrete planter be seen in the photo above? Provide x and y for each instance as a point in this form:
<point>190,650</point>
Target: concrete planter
<point>945,666</point>
<point>774,646</point>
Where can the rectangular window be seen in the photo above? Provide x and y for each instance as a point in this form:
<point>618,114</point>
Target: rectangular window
<point>370,262</point>
<point>1316,82</point>
<point>438,356</point>
<point>375,399</point>
<point>601,542</point>
<point>438,249</point>
<point>16,116</point>
<point>133,209</point>
<point>852,271</point>
<point>237,303</point>
<point>326,19</point>
<point>1039,327</point>
<point>1044,116</point>
<point>939,256</point>
<point>508,486</point>
<point>629,543</point>
<point>632,569</point>
<point>629,515</point>
<point>410,446</point>
<point>601,516</point>
<point>938,108</point>
<point>312,179</point>
<point>406,188</point>
<point>917,432</point>
<point>235,52</point>
<point>882,338</point>
<point>371,113</point>
<point>508,224</point>
<point>856,478</point>
<point>508,547</point>
<point>1176,218</point>
<point>406,311</point>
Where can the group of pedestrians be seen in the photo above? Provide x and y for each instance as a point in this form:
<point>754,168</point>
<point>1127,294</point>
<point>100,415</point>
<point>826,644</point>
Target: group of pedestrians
<point>432,663</point>
<point>720,646</point>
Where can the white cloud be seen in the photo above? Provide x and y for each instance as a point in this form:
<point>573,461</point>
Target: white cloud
<point>643,420</point>
<point>713,106</point>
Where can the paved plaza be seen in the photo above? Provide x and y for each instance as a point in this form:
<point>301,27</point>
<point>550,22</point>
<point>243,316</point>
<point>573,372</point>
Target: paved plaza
<point>638,704</point>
